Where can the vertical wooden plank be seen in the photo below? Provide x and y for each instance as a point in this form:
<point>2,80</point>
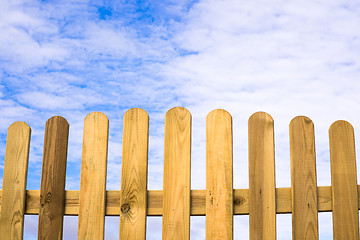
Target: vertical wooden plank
<point>303,179</point>
<point>14,181</point>
<point>176,195</point>
<point>52,190</point>
<point>133,199</point>
<point>219,175</point>
<point>344,181</point>
<point>262,206</point>
<point>93,177</point>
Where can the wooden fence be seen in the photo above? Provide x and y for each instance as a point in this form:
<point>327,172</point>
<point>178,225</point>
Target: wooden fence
<point>177,202</point>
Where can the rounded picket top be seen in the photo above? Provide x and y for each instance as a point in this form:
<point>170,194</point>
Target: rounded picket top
<point>19,124</point>
<point>341,125</point>
<point>136,113</point>
<point>260,116</point>
<point>58,120</point>
<point>96,115</point>
<point>220,111</point>
<point>178,111</point>
<point>19,130</point>
<point>300,120</point>
<point>96,120</point>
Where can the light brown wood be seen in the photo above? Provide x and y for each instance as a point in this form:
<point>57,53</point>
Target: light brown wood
<point>198,201</point>
<point>176,194</point>
<point>262,205</point>
<point>52,201</point>
<point>219,175</point>
<point>93,177</point>
<point>52,190</point>
<point>303,179</point>
<point>14,181</point>
<point>344,181</point>
<point>133,202</point>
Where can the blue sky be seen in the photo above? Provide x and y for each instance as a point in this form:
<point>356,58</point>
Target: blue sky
<point>287,58</point>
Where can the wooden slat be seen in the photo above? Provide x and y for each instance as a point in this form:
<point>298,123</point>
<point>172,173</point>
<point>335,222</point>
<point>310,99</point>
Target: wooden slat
<point>177,150</point>
<point>303,179</point>
<point>52,190</point>
<point>133,202</point>
<point>344,181</point>
<point>14,181</point>
<point>219,175</point>
<point>93,177</point>
<point>197,207</point>
<point>262,205</point>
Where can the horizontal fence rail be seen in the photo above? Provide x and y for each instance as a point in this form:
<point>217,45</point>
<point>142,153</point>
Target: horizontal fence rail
<point>219,202</point>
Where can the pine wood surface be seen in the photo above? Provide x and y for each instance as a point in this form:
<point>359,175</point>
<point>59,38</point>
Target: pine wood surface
<point>177,202</point>
<point>93,177</point>
<point>262,208</point>
<point>14,181</point>
<point>219,175</point>
<point>52,190</point>
<point>176,193</point>
<point>344,181</point>
<point>303,179</point>
<point>133,202</point>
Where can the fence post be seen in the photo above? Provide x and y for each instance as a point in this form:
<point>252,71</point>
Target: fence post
<point>303,179</point>
<point>14,181</point>
<point>219,176</point>
<point>176,194</point>
<point>133,201</point>
<point>52,190</point>
<point>262,205</point>
<point>344,181</point>
<point>93,177</point>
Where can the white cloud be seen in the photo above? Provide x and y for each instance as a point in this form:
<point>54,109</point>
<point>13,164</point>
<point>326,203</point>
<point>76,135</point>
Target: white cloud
<point>47,101</point>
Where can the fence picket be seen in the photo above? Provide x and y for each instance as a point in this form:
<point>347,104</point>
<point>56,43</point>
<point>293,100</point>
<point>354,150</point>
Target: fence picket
<point>93,177</point>
<point>262,205</point>
<point>219,175</point>
<point>52,190</point>
<point>133,200</point>
<point>344,181</point>
<point>176,194</point>
<point>303,179</point>
<point>14,181</point>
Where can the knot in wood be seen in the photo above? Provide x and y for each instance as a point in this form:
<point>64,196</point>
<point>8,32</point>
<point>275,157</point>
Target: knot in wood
<point>239,201</point>
<point>125,208</point>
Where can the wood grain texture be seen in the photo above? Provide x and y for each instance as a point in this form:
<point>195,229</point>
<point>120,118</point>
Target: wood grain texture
<point>14,181</point>
<point>344,181</point>
<point>93,177</point>
<point>219,175</point>
<point>262,208</point>
<point>133,202</point>
<point>52,190</point>
<point>176,194</point>
<point>197,207</point>
<point>303,179</point>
